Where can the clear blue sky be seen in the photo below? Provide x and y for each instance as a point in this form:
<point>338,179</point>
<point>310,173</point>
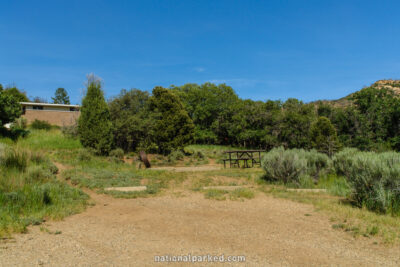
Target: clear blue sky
<point>263,49</point>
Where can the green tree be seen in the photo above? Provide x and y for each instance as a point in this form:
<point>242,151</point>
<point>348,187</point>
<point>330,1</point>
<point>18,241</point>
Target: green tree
<point>94,124</point>
<point>209,106</point>
<point>18,95</point>
<point>61,97</point>
<point>173,128</point>
<point>10,109</point>
<point>295,125</point>
<point>131,119</point>
<point>323,136</point>
<point>378,115</point>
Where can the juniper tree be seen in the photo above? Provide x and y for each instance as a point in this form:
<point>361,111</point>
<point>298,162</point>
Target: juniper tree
<point>94,124</point>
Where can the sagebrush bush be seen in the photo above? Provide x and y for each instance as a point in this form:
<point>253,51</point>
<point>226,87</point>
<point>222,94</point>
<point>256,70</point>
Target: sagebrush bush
<point>283,165</point>
<point>289,166</point>
<point>40,125</point>
<point>175,155</point>
<point>342,161</point>
<point>374,178</point>
<point>117,153</point>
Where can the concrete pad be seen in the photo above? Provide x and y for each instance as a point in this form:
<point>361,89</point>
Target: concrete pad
<point>127,189</point>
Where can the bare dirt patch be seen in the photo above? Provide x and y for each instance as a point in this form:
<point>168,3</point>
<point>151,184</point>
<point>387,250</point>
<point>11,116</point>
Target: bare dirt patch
<point>130,232</point>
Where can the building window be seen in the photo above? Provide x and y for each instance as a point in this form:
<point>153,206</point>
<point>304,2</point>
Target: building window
<point>38,107</point>
<point>72,109</point>
<point>23,110</point>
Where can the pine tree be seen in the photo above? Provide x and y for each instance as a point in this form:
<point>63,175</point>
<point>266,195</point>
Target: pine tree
<point>61,97</point>
<point>94,125</point>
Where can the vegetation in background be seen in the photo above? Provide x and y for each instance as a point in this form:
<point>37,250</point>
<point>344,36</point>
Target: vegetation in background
<point>94,124</point>
<point>17,94</point>
<point>156,123</point>
<point>40,125</point>
<point>131,120</point>
<point>324,137</point>
<point>10,108</point>
<point>61,97</point>
<point>173,128</point>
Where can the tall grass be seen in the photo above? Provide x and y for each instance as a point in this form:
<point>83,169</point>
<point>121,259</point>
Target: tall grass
<point>29,190</point>
<point>49,140</point>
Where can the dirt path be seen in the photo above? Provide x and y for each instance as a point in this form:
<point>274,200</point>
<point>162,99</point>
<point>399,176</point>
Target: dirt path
<point>130,232</point>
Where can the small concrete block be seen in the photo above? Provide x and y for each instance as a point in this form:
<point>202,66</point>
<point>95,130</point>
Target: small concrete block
<point>127,189</point>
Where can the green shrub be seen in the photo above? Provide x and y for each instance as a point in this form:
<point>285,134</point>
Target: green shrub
<point>283,165</point>
<point>117,153</point>
<point>374,178</point>
<point>84,155</point>
<point>40,125</point>
<point>199,155</point>
<point>70,131</point>
<point>342,161</point>
<point>175,155</point>
<point>288,166</point>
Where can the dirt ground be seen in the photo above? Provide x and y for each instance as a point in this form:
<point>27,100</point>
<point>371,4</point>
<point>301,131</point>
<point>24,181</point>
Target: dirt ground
<point>131,232</point>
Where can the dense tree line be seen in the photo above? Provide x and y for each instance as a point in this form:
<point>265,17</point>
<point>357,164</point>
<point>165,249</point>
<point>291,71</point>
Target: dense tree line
<point>219,116</point>
<point>168,119</point>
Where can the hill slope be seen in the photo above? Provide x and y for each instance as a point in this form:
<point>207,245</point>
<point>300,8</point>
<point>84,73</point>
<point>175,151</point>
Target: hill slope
<point>393,85</point>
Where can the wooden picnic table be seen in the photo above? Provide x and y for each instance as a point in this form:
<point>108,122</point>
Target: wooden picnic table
<point>246,156</point>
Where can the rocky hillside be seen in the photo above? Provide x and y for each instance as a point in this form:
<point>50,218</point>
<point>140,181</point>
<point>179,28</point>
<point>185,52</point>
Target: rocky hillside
<point>393,85</point>
<point>388,84</point>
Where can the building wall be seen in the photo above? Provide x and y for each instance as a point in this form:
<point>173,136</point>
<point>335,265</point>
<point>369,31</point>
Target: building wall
<point>54,117</point>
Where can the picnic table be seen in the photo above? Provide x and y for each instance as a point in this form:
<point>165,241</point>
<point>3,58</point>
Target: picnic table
<point>248,158</point>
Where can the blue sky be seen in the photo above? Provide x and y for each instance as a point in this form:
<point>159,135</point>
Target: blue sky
<point>263,49</point>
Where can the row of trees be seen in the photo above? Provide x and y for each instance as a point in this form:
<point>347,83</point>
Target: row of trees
<point>169,118</point>
<point>219,116</point>
<point>133,120</point>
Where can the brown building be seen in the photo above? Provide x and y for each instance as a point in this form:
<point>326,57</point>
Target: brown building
<point>55,114</point>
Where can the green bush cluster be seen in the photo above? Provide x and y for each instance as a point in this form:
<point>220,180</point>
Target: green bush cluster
<point>374,178</point>
<point>175,155</point>
<point>117,153</point>
<point>294,165</point>
<point>40,125</point>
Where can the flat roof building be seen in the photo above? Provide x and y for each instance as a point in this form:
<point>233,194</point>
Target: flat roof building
<point>55,114</point>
